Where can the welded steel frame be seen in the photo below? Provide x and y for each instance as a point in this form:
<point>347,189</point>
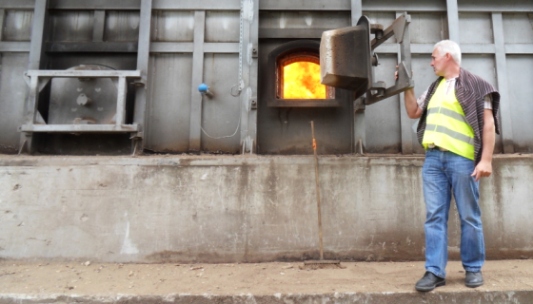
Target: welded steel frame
<point>38,79</point>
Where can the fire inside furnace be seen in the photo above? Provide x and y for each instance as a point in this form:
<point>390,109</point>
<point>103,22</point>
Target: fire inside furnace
<point>301,80</point>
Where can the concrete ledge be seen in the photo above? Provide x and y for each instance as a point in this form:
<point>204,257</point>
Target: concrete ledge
<point>514,297</point>
<point>221,209</point>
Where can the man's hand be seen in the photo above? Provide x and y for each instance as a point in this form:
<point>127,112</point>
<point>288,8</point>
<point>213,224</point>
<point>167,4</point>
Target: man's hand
<point>483,169</point>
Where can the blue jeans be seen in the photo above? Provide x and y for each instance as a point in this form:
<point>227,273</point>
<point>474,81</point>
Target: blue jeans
<point>445,173</point>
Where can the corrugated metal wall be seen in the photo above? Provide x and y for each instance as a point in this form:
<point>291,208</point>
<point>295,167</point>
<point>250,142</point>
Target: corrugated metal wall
<point>193,42</point>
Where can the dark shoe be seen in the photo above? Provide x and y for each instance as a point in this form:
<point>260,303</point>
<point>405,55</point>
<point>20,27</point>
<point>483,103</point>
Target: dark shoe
<point>473,279</point>
<point>428,282</point>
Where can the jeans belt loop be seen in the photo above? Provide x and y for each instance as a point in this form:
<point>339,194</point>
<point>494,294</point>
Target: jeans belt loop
<point>433,146</point>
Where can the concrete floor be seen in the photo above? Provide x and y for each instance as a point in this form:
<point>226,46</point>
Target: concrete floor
<point>22,282</point>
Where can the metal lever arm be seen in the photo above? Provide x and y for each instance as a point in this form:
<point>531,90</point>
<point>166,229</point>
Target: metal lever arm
<point>400,30</point>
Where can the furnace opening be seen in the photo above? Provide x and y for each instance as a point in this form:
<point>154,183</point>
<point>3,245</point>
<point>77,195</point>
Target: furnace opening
<point>298,77</point>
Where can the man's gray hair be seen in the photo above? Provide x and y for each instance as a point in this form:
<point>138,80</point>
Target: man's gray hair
<point>451,47</point>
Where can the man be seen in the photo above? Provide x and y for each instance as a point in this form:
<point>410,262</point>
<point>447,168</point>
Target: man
<point>458,121</point>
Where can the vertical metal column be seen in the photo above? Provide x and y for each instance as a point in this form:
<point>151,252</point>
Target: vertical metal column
<point>503,88</point>
<point>359,107</point>
<point>249,64</point>
<point>197,78</point>
<point>2,15</point>
<point>39,25</point>
<point>453,20</point>
<point>405,122</point>
<point>143,59</point>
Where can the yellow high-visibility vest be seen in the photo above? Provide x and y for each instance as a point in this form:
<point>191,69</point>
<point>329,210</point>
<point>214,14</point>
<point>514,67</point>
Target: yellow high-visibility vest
<point>446,125</point>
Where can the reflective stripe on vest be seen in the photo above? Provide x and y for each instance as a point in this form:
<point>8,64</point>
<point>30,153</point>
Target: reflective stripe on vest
<point>446,124</point>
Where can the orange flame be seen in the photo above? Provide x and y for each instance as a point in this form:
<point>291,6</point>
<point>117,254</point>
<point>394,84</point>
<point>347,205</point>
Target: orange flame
<point>301,80</point>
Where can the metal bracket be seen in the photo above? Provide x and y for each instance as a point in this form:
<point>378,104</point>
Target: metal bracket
<point>400,30</point>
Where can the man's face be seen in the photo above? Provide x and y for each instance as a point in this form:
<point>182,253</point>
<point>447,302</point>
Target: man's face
<point>438,62</point>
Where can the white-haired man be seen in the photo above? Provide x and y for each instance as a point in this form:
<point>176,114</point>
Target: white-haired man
<point>458,122</point>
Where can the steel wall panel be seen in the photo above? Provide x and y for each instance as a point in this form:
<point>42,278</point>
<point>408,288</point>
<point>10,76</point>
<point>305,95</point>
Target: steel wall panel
<point>168,113</point>
<point>122,26</point>
<point>484,65</point>
<point>476,28</point>
<point>221,114</point>
<point>72,26</point>
<point>13,90</point>
<point>173,33</point>
<point>383,118</point>
<point>172,26</point>
<point>17,25</point>
<point>222,26</point>
<point>520,75</point>
<point>518,27</point>
<point>428,27</point>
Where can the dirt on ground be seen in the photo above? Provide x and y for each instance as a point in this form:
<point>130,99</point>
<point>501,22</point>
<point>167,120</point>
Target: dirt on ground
<point>17,277</point>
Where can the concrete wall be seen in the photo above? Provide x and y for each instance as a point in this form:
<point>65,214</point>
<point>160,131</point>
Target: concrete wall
<point>240,209</point>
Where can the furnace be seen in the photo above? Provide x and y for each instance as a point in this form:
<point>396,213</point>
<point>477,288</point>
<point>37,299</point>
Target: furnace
<point>291,95</point>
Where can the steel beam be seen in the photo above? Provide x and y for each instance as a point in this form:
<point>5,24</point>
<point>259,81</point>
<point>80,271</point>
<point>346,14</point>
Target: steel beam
<point>95,4</point>
<point>195,126</point>
<point>359,123</point>
<point>171,47</point>
<point>308,5</point>
<point>15,47</point>
<point>405,122</point>
<point>143,62</point>
<point>357,10</point>
<point>17,4</point>
<point>121,102</point>
<point>39,26</point>
<point>221,47</point>
<point>188,47</point>
<point>519,49</point>
<point>100,128</point>
<point>249,64</point>
<point>525,6</point>
<point>453,20</point>
<point>2,15</point>
<point>503,88</point>
<point>311,33</point>
<point>84,73</point>
<point>403,6</point>
<point>196,5</point>
<point>92,47</point>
